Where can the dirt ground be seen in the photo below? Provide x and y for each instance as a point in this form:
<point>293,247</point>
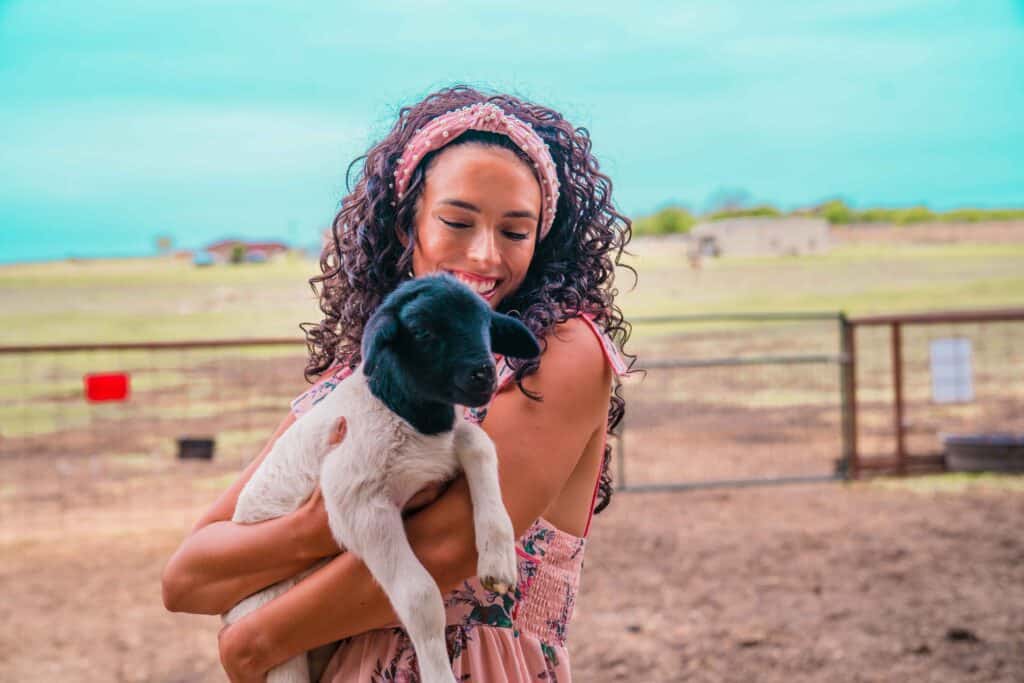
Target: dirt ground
<point>890,580</point>
<point>824,582</point>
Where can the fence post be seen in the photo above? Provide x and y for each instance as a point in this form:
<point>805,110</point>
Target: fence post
<point>849,466</point>
<point>897,387</point>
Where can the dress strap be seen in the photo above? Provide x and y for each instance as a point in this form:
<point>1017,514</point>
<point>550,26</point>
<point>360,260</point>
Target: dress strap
<point>621,367</point>
<point>331,378</point>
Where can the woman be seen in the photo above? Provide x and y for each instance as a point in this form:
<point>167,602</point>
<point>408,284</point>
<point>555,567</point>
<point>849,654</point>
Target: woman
<point>505,195</point>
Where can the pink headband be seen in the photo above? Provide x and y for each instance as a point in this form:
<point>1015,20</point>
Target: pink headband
<point>484,116</point>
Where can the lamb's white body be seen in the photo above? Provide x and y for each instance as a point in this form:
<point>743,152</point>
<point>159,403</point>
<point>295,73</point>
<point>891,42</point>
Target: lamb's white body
<point>366,480</point>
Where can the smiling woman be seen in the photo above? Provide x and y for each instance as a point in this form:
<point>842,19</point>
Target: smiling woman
<point>506,196</point>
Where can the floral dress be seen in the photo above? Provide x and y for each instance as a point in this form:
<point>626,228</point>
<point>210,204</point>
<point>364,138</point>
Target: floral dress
<point>511,638</point>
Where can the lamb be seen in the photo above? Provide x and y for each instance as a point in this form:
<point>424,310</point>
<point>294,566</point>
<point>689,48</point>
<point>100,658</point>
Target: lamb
<point>426,349</point>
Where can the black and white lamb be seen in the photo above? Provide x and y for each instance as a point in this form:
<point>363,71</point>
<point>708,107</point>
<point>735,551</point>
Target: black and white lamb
<point>427,349</point>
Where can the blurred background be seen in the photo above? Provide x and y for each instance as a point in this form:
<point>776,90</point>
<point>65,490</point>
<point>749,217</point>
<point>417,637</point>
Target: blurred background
<point>815,474</point>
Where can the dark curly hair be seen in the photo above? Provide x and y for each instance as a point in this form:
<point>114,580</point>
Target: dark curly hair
<point>572,270</point>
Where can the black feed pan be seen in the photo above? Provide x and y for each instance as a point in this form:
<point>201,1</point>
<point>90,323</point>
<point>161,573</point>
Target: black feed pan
<point>984,452</point>
<point>190,448</point>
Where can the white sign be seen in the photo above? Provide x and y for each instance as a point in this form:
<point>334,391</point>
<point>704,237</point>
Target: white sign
<point>952,374</point>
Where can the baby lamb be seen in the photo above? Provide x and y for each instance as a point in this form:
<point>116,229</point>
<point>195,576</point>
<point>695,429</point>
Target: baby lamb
<point>427,348</point>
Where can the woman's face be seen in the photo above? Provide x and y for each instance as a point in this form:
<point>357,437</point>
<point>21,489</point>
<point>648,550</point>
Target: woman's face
<point>477,219</point>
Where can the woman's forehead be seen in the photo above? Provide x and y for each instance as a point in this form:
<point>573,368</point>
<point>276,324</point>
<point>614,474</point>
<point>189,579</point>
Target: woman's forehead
<point>481,170</point>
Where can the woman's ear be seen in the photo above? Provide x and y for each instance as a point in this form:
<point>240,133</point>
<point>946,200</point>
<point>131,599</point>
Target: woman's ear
<point>381,330</point>
<point>509,337</point>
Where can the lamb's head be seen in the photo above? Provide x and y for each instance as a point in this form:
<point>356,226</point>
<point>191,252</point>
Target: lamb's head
<point>435,337</point>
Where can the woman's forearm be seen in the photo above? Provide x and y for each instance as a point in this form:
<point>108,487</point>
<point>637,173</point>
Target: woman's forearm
<point>223,562</point>
<point>342,599</point>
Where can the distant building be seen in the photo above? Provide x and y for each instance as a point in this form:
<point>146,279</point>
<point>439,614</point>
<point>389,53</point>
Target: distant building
<point>252,252</point>
<point>760,236</point>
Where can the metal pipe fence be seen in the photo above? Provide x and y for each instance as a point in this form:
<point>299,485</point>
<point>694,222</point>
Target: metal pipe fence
<point>919,376</point>
<point>64,459</point>
<point>735,400</point>
<point>725,400</point>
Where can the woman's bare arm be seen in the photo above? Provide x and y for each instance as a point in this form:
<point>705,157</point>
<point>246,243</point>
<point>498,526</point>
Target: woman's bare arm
<point>221,562</point>
<point>538,446</point>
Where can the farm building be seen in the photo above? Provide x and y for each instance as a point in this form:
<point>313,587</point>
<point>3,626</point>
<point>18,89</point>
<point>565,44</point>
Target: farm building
<point>253,251</point>
<point>760,236</point>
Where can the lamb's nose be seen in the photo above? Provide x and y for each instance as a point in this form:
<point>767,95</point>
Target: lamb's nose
<point>482,377</point>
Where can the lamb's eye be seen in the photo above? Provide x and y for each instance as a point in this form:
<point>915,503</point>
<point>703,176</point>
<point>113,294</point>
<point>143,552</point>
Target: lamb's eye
<point>422,334</point>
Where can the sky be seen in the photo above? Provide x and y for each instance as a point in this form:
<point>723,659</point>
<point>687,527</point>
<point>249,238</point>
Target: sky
<point>123,121</point>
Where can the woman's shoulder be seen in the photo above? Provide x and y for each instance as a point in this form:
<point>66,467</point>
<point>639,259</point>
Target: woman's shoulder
<point>576,350</point>
<point>580,344</point>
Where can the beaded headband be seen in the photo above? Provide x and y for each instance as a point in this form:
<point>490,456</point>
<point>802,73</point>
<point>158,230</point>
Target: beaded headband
<point>488,117</point>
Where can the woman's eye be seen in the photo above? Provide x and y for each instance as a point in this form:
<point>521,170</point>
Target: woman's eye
<point>453,224</point>
<point>517,236</point>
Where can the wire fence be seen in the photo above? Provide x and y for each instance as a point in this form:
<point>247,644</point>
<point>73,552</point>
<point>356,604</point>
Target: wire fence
<point>726,400</point>
<point>921,377</point>
<point>732,400</point>
<point>66,460</point>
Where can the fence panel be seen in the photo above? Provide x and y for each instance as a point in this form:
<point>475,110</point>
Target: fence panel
<point>921,376</point>
<point>66,461</point>
<point>733,400</point>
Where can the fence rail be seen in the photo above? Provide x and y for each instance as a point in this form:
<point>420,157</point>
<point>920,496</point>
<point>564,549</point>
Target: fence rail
<point>994,374</point>
<point>753,385</point>
<point>727,400</point>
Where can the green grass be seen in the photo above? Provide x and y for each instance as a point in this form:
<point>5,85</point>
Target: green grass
<point>858,279</point>
<point>165,299</point>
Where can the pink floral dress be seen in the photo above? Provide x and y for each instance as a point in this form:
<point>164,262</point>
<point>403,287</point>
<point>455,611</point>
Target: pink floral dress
<point>512,638</point>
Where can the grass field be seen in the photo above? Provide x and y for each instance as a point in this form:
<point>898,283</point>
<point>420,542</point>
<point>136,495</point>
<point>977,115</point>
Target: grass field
<point>165,299</point>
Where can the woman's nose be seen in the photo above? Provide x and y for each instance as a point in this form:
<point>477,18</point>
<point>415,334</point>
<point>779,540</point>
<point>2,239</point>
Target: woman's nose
<point>484,248</point>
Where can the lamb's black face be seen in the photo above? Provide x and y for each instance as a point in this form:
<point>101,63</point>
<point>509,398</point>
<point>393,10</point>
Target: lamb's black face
<point>444,342</point>
<point>441,336</point>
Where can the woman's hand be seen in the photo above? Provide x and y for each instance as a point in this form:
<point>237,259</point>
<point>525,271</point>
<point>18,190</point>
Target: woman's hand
<point>312,515</point>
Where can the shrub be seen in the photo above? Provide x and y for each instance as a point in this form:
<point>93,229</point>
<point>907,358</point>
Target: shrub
<point>914,214</point>
<point>753,211</point>
<point>837,212</point>
<point>668,221</point>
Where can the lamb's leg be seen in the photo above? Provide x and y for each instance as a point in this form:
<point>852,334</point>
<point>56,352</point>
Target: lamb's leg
<point>373,530</point>
<point>495,538</point>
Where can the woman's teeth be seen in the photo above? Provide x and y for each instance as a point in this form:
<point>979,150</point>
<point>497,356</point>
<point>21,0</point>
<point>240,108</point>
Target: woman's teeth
<point>482,287</point>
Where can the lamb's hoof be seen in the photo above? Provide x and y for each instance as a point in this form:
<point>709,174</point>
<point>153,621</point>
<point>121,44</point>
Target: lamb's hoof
<point>493,584</point>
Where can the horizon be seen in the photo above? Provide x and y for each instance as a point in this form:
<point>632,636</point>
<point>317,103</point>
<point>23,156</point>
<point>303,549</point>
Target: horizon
<point>126,122</point>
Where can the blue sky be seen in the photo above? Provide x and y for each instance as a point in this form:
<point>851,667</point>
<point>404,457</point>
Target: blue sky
<point>120,121</point>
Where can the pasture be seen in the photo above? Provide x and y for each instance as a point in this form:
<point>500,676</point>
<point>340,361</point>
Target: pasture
<point>879,580</point>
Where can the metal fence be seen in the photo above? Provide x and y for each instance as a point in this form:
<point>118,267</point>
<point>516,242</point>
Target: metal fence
<point>918,377</point>
<point>735,400</point>
<point>65,460</point>
<point>725,400</point>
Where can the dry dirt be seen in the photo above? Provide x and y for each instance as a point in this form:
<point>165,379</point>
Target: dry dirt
<point>824,582</point>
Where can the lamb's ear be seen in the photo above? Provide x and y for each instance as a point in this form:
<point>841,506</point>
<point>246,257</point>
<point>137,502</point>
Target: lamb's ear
<point>381,330</point>
<point>509,337</point>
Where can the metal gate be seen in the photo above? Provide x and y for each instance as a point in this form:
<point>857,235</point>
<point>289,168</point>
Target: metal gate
<point>734,400</point>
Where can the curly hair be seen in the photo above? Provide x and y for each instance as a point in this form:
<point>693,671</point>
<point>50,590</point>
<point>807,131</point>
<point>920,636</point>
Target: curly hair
<point>572,270</point>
